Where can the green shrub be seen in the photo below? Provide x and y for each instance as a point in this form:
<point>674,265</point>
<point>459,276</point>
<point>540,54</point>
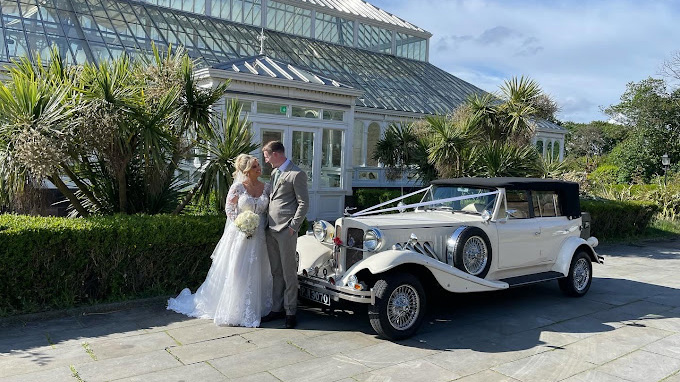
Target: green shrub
<point>604,174</point>
<point>612,219</point>
<point>48,263</point>
<point>667,197</point>
<point>368,197</point>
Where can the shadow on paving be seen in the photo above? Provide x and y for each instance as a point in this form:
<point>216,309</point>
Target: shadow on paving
<point>77,328</point>
<point>491,322</point>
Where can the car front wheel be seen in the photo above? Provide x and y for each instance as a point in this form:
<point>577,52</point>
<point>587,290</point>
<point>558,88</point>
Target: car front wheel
<point>577,282</point>
<point>399,306</point>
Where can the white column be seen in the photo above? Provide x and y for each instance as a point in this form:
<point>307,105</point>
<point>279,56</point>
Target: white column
<point>364,142</point>
<point>313,26</point>
<point>263,13</point>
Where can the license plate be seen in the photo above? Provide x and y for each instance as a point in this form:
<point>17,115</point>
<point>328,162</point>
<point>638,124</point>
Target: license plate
<point>309,294</point>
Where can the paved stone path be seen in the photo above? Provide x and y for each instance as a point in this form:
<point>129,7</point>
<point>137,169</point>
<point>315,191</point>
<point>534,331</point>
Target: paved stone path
<point>626,329</point>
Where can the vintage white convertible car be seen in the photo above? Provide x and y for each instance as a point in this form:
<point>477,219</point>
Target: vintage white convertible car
<point>466,235</point>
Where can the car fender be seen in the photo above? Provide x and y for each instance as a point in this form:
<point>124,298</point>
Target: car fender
<point>311,252</point>
<point>569,248</point>
<point>450,278</point>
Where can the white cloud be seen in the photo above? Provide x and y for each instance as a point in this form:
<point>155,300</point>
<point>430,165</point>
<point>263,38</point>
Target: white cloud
<point>583,53</point>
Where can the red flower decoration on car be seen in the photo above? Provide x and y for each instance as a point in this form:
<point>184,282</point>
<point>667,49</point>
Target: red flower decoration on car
<point>337,241</point>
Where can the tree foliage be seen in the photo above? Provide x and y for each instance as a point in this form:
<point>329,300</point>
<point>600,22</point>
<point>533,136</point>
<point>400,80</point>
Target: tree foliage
<point>118,131</point>
<point>651,113</point>
<point>489,135</point>
<point>593,139</point>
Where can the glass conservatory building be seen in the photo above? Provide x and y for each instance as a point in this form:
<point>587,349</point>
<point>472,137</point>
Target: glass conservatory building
<point>324,76</point>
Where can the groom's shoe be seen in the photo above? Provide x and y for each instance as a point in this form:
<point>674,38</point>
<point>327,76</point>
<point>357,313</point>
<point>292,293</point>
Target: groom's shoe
<point>271,316</point>
<point>291,322</point>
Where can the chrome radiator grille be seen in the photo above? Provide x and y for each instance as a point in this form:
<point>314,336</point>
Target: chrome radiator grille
<point>355,237</point>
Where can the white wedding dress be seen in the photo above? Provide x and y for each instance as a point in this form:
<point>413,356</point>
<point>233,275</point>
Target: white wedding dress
<point>238,288</point>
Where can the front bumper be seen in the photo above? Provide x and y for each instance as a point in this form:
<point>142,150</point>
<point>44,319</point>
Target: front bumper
<point>337,293</point>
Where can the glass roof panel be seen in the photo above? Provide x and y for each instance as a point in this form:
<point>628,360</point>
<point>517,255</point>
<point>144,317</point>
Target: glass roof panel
<point>101,29</point>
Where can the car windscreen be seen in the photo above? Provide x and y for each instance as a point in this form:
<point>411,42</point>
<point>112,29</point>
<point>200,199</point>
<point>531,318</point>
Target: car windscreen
<point>469,204</point>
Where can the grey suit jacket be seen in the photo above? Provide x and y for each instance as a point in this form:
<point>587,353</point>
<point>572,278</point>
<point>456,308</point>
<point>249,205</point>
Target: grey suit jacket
<point>289,200</point>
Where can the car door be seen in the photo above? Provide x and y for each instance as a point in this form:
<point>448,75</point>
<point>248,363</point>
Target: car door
<point>519,235</point>
<point>554,227</point>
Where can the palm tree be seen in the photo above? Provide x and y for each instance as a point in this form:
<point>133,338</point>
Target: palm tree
<point>400,149</point>
<point>498,158</point>
<point>195,104</point>
<point>550,166</point>
<point>451,143</point>
<point>520,97</point>
<point>36,109</point>
<point>227,139</point>
<point>149,116</point>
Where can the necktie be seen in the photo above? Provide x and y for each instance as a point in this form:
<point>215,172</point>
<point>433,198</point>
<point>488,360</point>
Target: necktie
<point>275,176</point>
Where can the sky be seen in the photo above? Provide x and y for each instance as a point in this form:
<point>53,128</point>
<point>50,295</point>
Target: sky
<point>581,52</point>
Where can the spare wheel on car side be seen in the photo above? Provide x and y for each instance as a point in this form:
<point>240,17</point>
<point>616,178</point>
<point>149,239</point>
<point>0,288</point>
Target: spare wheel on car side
<point>472,252</point>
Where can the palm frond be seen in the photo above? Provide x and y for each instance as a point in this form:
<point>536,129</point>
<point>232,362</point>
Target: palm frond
<point>505,159</point>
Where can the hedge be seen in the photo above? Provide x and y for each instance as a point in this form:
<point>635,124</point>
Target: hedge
<point>612,219</point>
<point>48,263</point>
<point>368,197</point>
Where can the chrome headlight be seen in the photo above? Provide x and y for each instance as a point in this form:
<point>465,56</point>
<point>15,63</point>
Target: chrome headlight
<point>373,239</point>
<point>323,230</point>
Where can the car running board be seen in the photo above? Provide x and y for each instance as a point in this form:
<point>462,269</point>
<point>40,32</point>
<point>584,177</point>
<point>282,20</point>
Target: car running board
<point>532,279</point>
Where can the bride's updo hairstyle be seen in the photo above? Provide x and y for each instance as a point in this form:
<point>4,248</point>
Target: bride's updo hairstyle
<point>243,164</point>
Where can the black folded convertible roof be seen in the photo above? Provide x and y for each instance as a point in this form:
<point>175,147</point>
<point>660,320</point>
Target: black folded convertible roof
<point>567,191</point>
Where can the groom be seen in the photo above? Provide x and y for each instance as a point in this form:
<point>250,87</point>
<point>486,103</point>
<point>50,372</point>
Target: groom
<point>288,206</point>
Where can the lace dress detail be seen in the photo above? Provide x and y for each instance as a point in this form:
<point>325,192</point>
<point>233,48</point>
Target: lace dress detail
<point>238,288</point>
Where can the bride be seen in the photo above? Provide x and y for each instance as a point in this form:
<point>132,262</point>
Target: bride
<point>238,288</point>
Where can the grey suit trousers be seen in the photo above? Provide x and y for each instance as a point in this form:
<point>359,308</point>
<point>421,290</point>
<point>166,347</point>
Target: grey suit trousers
<point>281,247</point>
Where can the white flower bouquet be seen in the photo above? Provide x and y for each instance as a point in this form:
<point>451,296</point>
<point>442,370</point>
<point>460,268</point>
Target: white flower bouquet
<point>247,222</point>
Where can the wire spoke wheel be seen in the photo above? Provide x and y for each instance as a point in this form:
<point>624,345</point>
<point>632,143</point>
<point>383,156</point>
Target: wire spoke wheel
<point>403,307</point>
<point>400,304</point>
<point>581,274</point>
<point>475,255</point>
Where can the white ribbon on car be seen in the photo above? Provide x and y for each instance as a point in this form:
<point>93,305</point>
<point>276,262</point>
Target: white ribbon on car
<point>369,211</point>
<point>365,212</point>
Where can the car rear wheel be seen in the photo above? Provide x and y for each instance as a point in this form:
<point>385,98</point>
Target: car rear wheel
<point>580,276</point>
<point>399,306</point>
<point>472,253</point>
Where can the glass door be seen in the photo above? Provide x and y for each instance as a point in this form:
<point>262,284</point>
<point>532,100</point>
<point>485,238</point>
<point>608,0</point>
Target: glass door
<point>302,152</point>
<point>269,135</point>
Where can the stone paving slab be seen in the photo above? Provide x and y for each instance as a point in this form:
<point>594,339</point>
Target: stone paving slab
<point>643,366</point>
<point>127,366</point>
<point>594,376</point>
<point>56,374</point>
<point>627,328</point>
<point>606,347</point>
<point>42,358</point>
<point>195,372</point>
<point>416,370</point>
<point>256,362</point>
<point>120,347</point>
<point>554,365</point>
<point>210,349</point>
<point>329,369</point>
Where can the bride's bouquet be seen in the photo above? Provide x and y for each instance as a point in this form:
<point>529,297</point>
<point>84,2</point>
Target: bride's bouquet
<point>247,222</point>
